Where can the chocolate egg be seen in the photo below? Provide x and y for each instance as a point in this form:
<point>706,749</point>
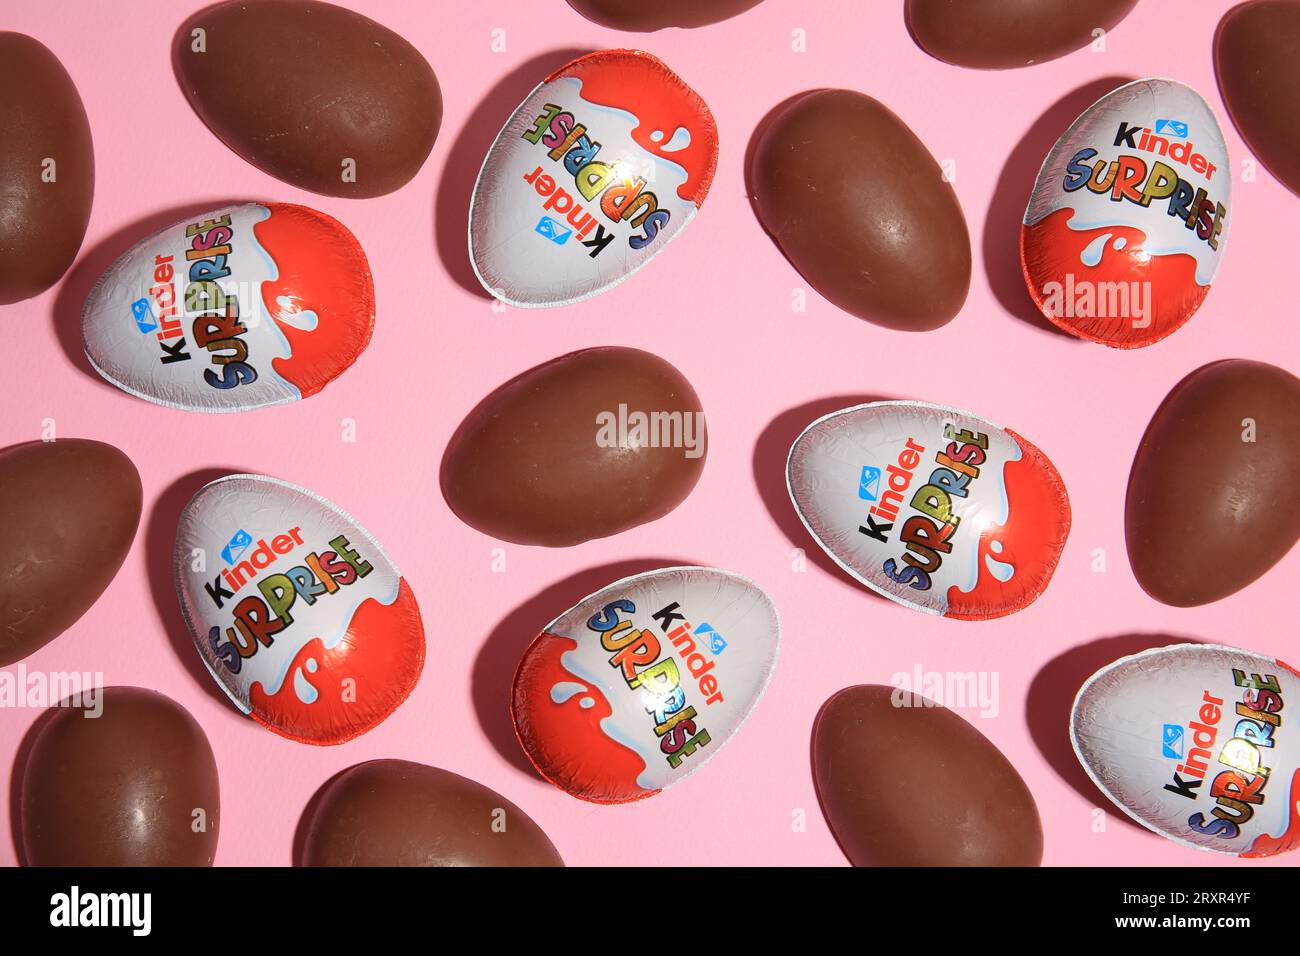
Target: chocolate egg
<point>637,685</point>
<point>313,94</point>
<point>1193,742</point>
<point>69,510</point>
<point>125,779</point>
<point>398,813</point>
<point>297,612</point>
<point>1001,34</point>
<point>1129,216</point>
<point>932,507</point>
<point>585,446</point>
<point>47,165</point>
<point>239,308</point>
<point>906,782</point>
<point>1259,77</point>
<point>1214,494</point>
<point>592,176</point>
<point>643,17</point>
<point>859,206</point>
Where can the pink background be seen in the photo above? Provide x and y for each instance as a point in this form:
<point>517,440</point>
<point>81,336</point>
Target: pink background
<point>717,305</point>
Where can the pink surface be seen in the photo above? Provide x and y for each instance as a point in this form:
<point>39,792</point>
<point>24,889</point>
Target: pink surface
<point>718,305</point>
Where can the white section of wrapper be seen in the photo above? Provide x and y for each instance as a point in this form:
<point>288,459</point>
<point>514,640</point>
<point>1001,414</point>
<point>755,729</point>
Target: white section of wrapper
<point>1117,729</point>
<point>525,269</point>
<point>823,473</point>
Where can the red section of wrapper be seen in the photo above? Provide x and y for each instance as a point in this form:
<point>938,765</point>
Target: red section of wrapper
<point>640,84</point>
<point>322,269</point>
<point>1266,845</point>
<point>359,682</point>
<point>1038,522</point>
<point>1050,252</point>
<point>565,742</point>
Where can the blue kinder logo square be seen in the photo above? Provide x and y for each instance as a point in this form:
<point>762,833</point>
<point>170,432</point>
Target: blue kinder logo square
<point>1171,127</point>
<point>237,546</point>
<point>869,483</point>
<point>553,231</point>
<point>1173,741</point>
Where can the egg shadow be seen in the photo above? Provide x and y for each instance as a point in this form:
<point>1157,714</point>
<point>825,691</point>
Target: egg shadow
<point>1050,699</point>
<point>465,158</point>
<point>94,262</point>
<point>771,450</point>
<point>303,827</point>
<point>1006,212</point>
<point>493,673</point>
<point>159,545</point>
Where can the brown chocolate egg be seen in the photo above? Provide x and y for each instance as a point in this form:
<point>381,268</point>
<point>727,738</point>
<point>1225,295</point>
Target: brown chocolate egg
<point>1001,34</point>
<point>69,510</point>
<point>316,95</point>
<point>584,446</point>
<point>132,785</point>
<point>643,17</point>
<point>905,782</point>
<point>859,206</point>
<point>1255,57</point>
<point>1214,494</point>
<point>47,168</point>
<point>398,813</point>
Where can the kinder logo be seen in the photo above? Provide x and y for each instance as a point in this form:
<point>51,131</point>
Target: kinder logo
<point>550,229</point>
<point>1172,743</point>
<point>143,315</point>
<point>233,551</point>
<point>869,483</point>
<point>712,639</point>
<point>1172,128</point>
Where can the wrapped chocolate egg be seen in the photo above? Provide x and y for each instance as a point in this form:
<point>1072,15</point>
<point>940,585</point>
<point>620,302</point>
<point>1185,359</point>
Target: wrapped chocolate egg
<point>906,782</point>
<point>1195,742</point>
<point>932,507</point>
<point>399,813</point>
<point>314,94</point>
<point>69,509</point>
<point>1259,76</point>
<point>584,446</point>
<point>47,166</point>
<point>999,35</point>
<point>1128,219</point>
<point>297,612</point>
<point>239,308</point>
<point>125,779</point>
<point>637,685</point>
<point>591,177</point>
<point>1214,493</point>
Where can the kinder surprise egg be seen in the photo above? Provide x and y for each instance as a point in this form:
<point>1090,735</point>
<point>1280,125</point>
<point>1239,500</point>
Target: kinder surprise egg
<point>934,508</point>
<point>603,164</point>
<point>1128,219</point>
<point>248,306</point>
<point>640,683</point>
<point>295,609</point>
<point>1191,741</point>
